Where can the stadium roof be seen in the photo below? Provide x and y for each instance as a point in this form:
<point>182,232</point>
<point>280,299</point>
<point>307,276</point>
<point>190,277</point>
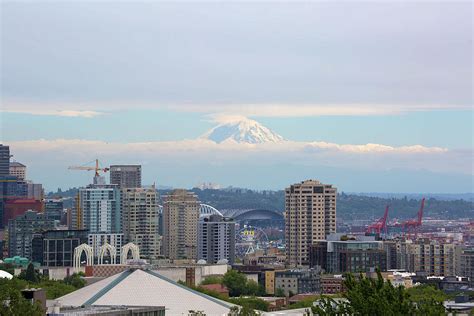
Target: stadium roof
<point>145,288</point>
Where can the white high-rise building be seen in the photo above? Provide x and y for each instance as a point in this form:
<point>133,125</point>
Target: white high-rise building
<point>99,208</point>
<point>310,215</point>
<point>140,220</point>
<point>18,170</point>
<point>216,239</point>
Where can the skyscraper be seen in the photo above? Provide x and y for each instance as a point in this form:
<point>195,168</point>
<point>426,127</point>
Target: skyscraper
<point>53,209</point>
<point>216,239</point>
<point>98,208</point>
<point>140,220</point>
<point>126,176</point>
<point>180,222</point>
<point>310,215</point>
<point>4,160</point>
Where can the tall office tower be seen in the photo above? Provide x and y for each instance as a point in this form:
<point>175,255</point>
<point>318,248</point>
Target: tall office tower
<point>140,220</point>
<point>11,189</point>
<point>310,215</point>
<point>4,160</point>
<point>35,191</point>
<point>98,208</point>
<point>126,176</point>
<point>180,222</point>
<point>21,231</point>
<point>53,209</point>
<point>216,239</point>
<point>18,170</point>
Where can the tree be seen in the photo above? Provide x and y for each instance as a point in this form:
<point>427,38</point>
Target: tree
<point>279,292</point>
<point>235,282</point>
<point>253,288</point>
<point>17,305</point>
<point>75,280</point>
<point>212,280</point>
<point>243,311</point>
<point>367,296</point>
<point>30,274</point>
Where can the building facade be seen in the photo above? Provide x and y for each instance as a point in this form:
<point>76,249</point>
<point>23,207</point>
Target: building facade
<point>140,220</point>
<point>17,170</point>
<point>53,209</point>
<point>126,176</point>
<point>16,207</point>
<point>310,215</point>
<point>4,160</point>
<point>465,262</point>
<point>341,254</point>
<point>180,223</point>
<point>298,281</point>
<point>98,209</point>
<point>216,239</point>
<point>10,189</point>
<point>55,248</point>
<point>21,231</point>
<point>35,190</point>
<point>96,240</point>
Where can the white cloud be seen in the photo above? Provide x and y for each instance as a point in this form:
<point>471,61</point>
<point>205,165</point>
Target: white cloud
<point>222,111</point>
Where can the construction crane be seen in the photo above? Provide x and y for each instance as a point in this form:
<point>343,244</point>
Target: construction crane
<point>412,225</point>
<point>97,168</point>
<point>379,225</point>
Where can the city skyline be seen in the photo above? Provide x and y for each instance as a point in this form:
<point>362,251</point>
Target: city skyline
<point>361,98</point>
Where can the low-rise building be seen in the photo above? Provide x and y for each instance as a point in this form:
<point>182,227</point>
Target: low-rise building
<point>298,281</point>
<point>332,284</point>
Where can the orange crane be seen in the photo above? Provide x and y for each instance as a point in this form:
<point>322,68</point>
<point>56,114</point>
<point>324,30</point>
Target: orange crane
<point>97,168</point>
<point>413,224</point>
<point>380,224</point>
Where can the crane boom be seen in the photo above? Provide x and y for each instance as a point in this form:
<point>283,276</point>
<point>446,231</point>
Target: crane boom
<point>97,168</point>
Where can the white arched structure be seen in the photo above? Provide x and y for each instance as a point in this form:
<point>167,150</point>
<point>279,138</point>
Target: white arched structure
<point>129,247</point>
<point>205,210</point>
<point>103,250</point>
<point>78,253</point>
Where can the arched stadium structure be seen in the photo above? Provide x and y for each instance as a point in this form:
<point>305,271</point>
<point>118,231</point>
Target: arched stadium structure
<point>254,214</point>
<point>204,210</point>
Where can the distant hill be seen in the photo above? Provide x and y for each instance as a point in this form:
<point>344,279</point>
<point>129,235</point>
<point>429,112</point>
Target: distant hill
<point>349,206</point>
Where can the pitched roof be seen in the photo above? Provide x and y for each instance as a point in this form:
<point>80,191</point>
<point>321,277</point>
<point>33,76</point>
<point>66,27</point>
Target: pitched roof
<point>145,288</point>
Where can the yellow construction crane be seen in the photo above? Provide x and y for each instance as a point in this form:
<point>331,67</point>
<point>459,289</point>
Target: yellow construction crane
<point>97,168</point>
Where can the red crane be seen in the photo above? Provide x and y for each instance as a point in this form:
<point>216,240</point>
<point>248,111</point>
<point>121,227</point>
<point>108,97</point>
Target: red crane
<point>413,224</point>
<point>380,224</point>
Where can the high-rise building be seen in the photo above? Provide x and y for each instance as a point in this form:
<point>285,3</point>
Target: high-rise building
<point>98,208</point>
<point>180,222</point>
<point>53,209</point>
<point>21,231</point>
<point>16,207</point>
<point>98,239</point>
<point>18,170</point>
<point>4,160</point>
<point>126,176</point>
<point>140,220</point>
<point>310,215</point>
<point>216,239</point>
<point>10,189</point>
<point>35,190</point>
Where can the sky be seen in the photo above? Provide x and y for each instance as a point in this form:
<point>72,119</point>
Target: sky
<point>139,83</point>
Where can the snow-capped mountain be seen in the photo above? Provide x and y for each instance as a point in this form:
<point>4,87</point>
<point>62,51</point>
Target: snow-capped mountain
<point>242,130</point>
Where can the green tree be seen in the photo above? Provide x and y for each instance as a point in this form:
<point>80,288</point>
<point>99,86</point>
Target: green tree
<point>17,305</point>
<point>212,280</point>
<point>235,282</point>
<point>367,296</point>
<point>253,288</point>
<point>75,280</point>
<point>30,274</point>
<point>250,303</point>
<point>279,292</point>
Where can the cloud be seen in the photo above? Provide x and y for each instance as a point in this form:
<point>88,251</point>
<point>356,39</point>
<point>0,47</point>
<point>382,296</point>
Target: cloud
<point>223,111</point>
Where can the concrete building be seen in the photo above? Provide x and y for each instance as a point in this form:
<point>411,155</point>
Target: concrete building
<point>35,190</point>
<point>55,248</point>
<point>17,170</point>
<point>180,223</point>
<point>53,209</point>
<point>99,209</point>
<point>21,231</point>
<point>17,207</point>
<point>10,189</point>
<point>341,254</point>
<point>126,176</point>
<point>298,281</point>
<point>216,239</point>
<point>4,160</point>
<point>310,215</point>
<point>465,262</point>
<point>425,255</point>
<point>140,220</point>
